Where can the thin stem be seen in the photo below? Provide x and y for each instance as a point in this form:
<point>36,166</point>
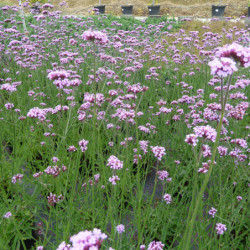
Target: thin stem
<point>47,226</point>
<point>22,15</point>
<point>203,187</point>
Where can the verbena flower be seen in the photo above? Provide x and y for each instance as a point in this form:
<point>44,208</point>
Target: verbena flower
<point>7,215</point>
<point>120,228</point>
<point>236,52</point>
<point>90,35</point>
<point>212,211</point>
<point>167,198</point>
<point>114,179</point>
<point>221,228</point>
<point>206,132</point>
<point>163,175</point>
<point>17,177</point>
<point>192,139</point>
<point>58,75</point>
<point>223,67</point>
<point>159,152</point>
<point>155,245</point>
<point>83,144</point>
<point>114,162</point>
<point>239,198</point>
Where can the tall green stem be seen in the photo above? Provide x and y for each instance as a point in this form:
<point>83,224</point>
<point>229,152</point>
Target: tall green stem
<point>190,225</point>
<point>22,15</point>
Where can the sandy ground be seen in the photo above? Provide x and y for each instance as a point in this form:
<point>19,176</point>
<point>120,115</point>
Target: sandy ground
<point>196,8</point>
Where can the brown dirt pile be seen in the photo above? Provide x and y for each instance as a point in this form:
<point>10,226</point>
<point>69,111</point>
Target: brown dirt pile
<point>195,8</point>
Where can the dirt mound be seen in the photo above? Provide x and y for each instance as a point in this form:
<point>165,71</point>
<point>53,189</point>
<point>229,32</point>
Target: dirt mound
<point>196,8</point>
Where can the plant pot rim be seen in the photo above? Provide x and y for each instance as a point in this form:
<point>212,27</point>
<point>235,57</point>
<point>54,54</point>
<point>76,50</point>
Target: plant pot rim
<point>219,6</point>
<point>153,6</point>
<point>127,6</point>
<point>99,5</point>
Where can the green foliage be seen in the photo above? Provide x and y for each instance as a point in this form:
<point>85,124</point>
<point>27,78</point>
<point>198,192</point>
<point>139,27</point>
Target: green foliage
<point>131,201</point>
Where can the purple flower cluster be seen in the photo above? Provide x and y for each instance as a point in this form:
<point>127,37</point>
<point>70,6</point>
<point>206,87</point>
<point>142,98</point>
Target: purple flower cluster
<point>237,52</point>
<point>17,177</point>
<point>114,163</point>
<point>163,176</point>
<point>7,215</point>
<point>84,240</point>
<point>90,35</point>
<point>223,66</point>
<point>212,211</point>
<point>53,199</point>
<point>158,152</point>
<point>167,198</point>
<point>83,144</point>
<point>220,228</point>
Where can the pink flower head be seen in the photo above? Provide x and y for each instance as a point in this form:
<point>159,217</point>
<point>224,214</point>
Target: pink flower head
<point>16,177</point>
<point>159,152</point>
<point>206,132</point>
<point>163,175</point>
<point>53,199</point>
<point>239,198</point>
<point>37,113</point>
<point>114,179</point>
<point>222,150</point>
<point>48,6</point>
<point>87,239</point>
<point>222,67</point>
<point>72,148</point>
<point>99,36</point>
<point>83,144</point>
<point>120,228</point>
<point>212,211</point>
<point>9,105</point>
<point>167,198</point>
<point>55,159</point>
<point>192,139</point>
<point>58,75</point>
<point>7,215</point>
<point>144,146</point>
<point>236,52</point>
<point>114,163</point>
<point>206,151</point>
<point>72,41</point>
<point>8,87</point>
<point>221,228</point>
<point>64,246</point>
<point>155,245</point>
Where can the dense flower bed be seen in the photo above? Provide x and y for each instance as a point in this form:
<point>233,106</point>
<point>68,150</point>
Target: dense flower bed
<point>120,135</point>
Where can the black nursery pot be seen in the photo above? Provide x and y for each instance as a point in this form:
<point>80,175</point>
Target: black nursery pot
<point>218,10</point>
<point>248,12</point>
<point>35,9</point>
<point>127,9</point>
<point>154,10</point>
<point>101,9</point>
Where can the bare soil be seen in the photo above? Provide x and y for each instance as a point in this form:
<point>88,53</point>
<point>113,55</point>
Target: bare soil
<point>194,8</point>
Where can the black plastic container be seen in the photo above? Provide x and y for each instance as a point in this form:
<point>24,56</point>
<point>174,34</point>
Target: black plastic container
<point>127,9</point>
<point>248,12</point>
<point>154,10</point>
<point>35,9</point>
<point>218,10</point>
<point>101,9</point>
